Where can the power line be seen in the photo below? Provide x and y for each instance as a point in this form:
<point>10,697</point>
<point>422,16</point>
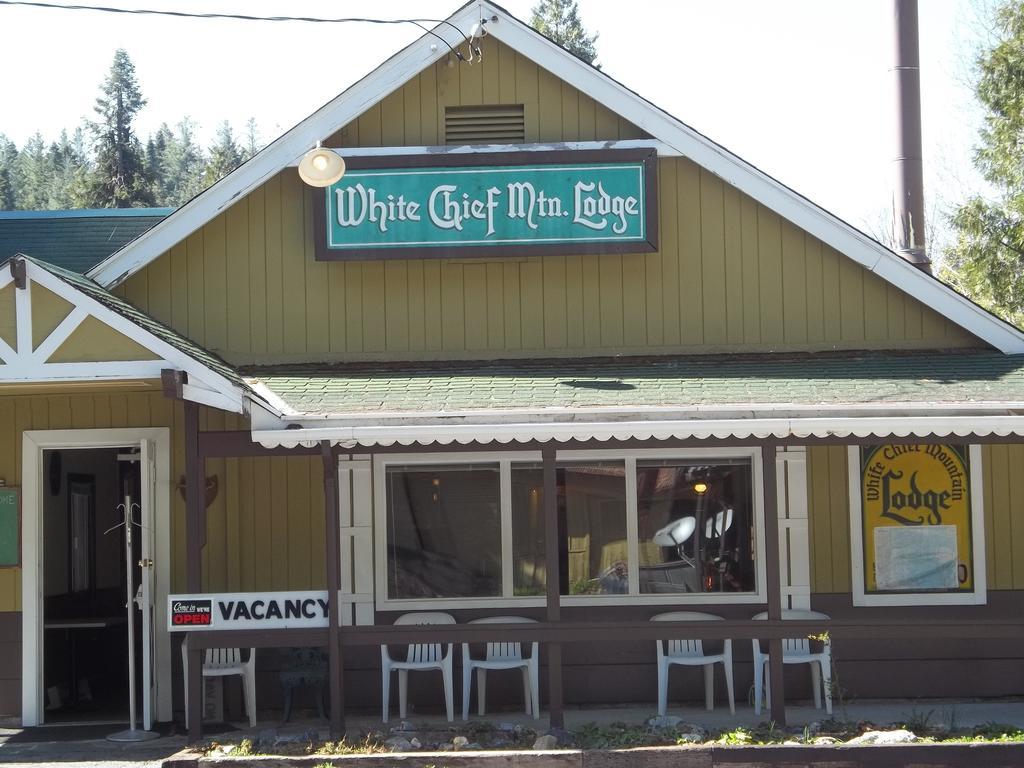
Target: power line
<point>242,17</point>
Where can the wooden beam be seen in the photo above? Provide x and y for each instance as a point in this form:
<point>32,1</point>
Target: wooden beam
<point>773,572</point>
<point>556,715</point>
<point>239,443</point>
<point>194,705</point>
<point>335,665</point>
<point>610,631</point>
<point>18,272</point>
<point>195,537</point>
<point>173,382</point>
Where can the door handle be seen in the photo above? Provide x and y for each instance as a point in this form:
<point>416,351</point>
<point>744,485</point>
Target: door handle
<point>145,563</point>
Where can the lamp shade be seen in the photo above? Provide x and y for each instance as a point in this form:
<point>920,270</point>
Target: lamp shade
<point>321,167</point>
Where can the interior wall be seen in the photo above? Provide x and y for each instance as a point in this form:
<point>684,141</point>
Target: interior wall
<point>101,465</point>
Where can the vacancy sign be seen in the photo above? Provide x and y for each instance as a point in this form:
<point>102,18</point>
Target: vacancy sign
<point>247,610</point>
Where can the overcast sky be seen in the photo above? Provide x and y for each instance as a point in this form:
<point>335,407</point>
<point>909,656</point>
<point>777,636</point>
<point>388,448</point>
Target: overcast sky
<point>798,87</point>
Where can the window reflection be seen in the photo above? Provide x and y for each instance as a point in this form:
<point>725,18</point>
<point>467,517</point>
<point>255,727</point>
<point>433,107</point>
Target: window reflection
<point>695,523</point>
<point>443,532</point>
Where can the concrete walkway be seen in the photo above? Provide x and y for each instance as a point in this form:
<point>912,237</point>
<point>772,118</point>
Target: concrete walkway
<point>93,752</point>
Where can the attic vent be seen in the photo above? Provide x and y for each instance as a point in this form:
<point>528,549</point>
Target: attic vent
<point>484,125</point>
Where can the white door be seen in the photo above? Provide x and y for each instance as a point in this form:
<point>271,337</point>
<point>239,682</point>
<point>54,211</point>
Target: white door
<point>145,594</point>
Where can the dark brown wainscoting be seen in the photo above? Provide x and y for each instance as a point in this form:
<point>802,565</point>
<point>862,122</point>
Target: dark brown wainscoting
<point>10,663</point>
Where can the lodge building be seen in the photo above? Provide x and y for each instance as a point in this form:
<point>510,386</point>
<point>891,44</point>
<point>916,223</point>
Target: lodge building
<point>542,351</point>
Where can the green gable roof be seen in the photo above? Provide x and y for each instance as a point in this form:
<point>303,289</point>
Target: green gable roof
<point>75,240</point>
<point>746,381</point>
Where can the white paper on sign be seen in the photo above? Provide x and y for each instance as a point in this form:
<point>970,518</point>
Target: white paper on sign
<point>916,558</point>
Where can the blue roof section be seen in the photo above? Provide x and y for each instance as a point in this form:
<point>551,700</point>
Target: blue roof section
<point>75,240</point>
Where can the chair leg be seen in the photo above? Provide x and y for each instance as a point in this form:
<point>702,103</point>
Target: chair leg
<point>826,678</point>
<point>727,665</point>
<point>385,691</point>
<point>449,700</point>
<point>535,685</point>
<point>467,684</point>
<point>249,683</point>
<point>758,685</point>
<point>816,683</point>
<point>662,687</point>
<point>709,687</point>
<point>527,691</point>
<point>481,691</point>
<point>403,692</point>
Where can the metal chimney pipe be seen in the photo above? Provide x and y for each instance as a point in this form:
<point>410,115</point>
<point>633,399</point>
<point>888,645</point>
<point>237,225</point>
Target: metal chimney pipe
<point>908,193</point>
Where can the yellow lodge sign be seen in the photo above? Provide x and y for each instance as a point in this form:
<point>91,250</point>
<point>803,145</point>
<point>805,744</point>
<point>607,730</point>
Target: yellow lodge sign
<point>916,518</point>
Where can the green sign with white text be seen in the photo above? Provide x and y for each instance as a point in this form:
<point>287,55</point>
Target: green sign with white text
<point>526,203</point>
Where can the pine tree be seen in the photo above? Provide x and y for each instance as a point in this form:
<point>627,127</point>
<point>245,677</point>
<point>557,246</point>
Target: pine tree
<point>118,179</point>
<point>252,139</point>
<point>987,259</point>
<point>181,167</point>
<point>68,166</point>
<point>33,171</point>
<point>560,20</point>
<point>225,155</point>
<point>8,160</point>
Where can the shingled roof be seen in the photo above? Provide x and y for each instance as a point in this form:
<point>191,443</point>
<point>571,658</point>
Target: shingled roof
<point>872,379</point>
<point>76,240</point>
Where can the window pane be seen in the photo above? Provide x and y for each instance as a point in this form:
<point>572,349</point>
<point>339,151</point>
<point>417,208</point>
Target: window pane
<point>695,526</point>
<point>443,532</point>
<point>529,576</point>
<point>592,512</point>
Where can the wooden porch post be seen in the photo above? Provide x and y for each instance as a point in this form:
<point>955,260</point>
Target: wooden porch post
<point>195,535</point>
<point>773,574</point>
<point>335,662</point>
<point>556,716</point>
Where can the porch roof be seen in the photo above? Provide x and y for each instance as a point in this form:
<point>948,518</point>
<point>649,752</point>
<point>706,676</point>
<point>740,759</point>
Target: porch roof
<point>745,382</point>
<point>760,396</point>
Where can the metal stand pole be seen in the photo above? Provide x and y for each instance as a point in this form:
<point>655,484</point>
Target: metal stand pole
<point>132,734</point>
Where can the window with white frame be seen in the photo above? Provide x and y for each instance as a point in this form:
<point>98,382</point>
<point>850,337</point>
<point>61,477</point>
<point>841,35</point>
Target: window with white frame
<point>916,524</point>
<point>647,526</point>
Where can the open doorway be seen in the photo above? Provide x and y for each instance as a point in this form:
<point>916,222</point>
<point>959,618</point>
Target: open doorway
<point>85,635</point>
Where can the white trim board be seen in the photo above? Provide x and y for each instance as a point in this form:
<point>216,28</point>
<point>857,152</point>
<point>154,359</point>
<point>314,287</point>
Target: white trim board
<point>861,598</point>
<point>34,442</point>
<point>675,135</point>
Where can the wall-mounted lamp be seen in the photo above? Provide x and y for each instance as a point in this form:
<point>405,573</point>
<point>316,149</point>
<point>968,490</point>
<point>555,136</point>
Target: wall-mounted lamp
<point>321,167</point>
<point>700,488</point>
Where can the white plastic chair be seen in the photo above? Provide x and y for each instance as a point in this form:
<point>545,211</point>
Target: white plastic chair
<point>421,656</point>
<point>224,662</point>
<point>796,651</point>
<point>501,656</point>
<point>690,653</point>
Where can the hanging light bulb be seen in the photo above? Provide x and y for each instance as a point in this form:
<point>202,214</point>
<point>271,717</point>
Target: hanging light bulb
<point>321,167</point>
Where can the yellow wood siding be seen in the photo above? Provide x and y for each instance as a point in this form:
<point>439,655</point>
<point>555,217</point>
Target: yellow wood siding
<point>93,341</point>
<point>264,529</point>
<point>730,275</point>
<point>48,310</point>
<point>8,317</point>
<point>828,501</point>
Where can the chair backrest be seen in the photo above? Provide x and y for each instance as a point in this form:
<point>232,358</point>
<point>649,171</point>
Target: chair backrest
<point>219,658</point>
<point>425,652</point>
<point>795,644</point>
<point>677,647</point>
<point>504,651</point>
